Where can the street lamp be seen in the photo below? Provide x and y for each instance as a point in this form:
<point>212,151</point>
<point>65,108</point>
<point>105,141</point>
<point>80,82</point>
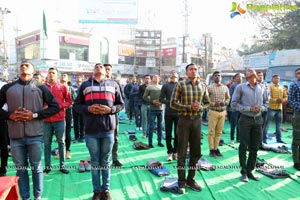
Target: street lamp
<point>4,11</point>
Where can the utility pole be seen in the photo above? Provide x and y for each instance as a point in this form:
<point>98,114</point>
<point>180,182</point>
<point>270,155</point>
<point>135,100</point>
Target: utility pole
<point>4,11</point>
<point>186,30</point>
<point>183,49</point>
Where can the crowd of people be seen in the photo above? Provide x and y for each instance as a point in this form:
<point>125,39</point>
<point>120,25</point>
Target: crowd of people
<point>33,110</point>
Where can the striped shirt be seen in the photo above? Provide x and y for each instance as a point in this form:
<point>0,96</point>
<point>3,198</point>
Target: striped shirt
<point>220,93</point>
<point>276,92</point>
<point>185,93</point>
<point>294,95</point>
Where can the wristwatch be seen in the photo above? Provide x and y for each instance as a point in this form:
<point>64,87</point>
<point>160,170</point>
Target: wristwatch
<point>35,115</point>
<point>113,110</point>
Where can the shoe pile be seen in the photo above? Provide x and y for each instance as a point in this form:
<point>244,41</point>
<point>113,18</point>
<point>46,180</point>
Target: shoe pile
<point>84,165</point>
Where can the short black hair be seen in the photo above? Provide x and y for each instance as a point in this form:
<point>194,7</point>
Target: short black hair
<point>216,72</point>
<point>147,75</point>
<point>52,68</point>
<point>186,68</point>
<point>297,69</point>
<point>107,65</point>
<point>236,75</point>
<point>275,75</point>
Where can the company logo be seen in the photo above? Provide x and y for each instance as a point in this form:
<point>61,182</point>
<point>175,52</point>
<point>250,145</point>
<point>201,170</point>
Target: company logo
<point>236,10</point>
<point>264,9</point>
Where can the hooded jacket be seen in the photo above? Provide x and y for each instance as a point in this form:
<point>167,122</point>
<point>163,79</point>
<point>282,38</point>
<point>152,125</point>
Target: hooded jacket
<point>107,92</point>
<point>32,96</point>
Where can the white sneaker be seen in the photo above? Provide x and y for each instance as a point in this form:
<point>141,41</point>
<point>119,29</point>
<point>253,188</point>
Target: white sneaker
<point>141,129</point>
<point>175,156</point>
<point>232,142</point>
<point>169,158</point>
<point>137,128</point>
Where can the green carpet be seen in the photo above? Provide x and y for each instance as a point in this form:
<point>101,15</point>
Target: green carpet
<point>137,183</point>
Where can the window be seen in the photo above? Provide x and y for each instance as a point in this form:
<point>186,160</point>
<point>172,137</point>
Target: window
<point>72,51</point>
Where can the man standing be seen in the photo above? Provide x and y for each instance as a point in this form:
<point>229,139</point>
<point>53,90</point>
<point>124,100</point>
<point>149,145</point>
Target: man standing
<point>235,114</point>
<point>25,100</point>
<point>219,99</point>
<point>145,106</point>
<point>294,102</point>
<point>250,99</point>
<point>98,100</point>
<point>77,118</point>
<point>152,96</point>
<point>190,98</point>
<point>277,96</point>
<point>55,125</point>
<point>171,115</point>
<point>260,80</point>
<point>116,162</point>
<point>68,118</point>
<point>3,140</point>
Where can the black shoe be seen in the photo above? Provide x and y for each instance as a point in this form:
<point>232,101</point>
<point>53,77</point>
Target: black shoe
<point>150,146</point>
<point>212,153</point>
<point>106,195</point>
<point>47,171</point>
<point>160,145</point>
<point>117,163</point>
<point>218,153</point>
<point>181,189</point>
<point>251,176</point>
<point>244,178</point>
<point>64,171</point>
<point>97,196</point>
<point>297,166</point>
<point>193,185</point>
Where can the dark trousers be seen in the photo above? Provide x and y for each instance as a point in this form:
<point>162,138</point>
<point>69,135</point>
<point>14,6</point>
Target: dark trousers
<point>3,145</point>
<point>138,115</point>
<point>296,136</point>
<point>169,121</point>
<point>68,119</point>
<point>189,132</point>
<point>250,138</point>
<point>116,142</point>
<point>234,125</point>
<point>78,125</point>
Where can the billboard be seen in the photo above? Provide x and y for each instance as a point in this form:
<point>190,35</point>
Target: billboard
<point>108,11</point>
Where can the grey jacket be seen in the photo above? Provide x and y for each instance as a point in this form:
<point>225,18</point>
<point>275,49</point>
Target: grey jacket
<point>33,96</point>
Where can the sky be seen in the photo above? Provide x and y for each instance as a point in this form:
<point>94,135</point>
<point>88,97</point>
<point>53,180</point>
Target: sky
<point>205,16</point>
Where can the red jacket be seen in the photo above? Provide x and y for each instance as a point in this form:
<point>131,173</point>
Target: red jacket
<point>63,97</point>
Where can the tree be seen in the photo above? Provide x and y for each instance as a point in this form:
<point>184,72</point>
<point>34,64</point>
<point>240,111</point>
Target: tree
<point>279,29</point>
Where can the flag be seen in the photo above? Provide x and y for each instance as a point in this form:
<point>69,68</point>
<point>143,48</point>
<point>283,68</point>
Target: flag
<point>44,24</point>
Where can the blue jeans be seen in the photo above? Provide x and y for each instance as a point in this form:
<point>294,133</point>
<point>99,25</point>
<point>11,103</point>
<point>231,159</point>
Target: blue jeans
<point>152,115</point>
<point>100,147</point>
<point>277,114</point>
<point>22,150</point>
<point>145,116</point>
<point>57,128</point>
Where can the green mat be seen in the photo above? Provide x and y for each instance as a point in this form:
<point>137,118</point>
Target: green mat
<point>135,182</point>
